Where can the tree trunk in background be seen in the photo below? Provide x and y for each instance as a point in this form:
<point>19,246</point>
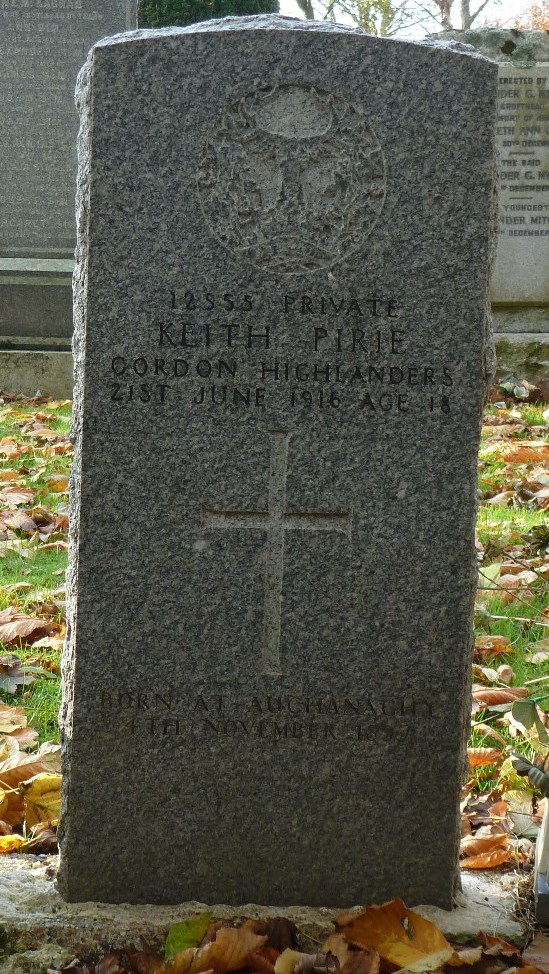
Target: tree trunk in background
<point>467,17</point>
<point>445,7</point>
<point>446,11</point>
<point>307,7</point>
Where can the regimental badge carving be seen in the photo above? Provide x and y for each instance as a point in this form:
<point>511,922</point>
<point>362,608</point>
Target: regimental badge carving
<point>292,179</point>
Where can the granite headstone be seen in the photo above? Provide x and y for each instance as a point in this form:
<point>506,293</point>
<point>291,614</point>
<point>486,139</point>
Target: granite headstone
<point>282,352</point>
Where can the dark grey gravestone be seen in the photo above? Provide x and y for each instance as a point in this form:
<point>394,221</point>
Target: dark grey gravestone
<point>43,44</point>
<point>282,353</point>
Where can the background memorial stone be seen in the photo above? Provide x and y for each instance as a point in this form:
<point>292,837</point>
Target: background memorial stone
<point>273,567</point>
<point>43,44</point>
<point>520,283</point>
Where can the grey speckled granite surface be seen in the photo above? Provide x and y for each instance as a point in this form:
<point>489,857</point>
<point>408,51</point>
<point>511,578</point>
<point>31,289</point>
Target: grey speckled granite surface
<point>281,352</point>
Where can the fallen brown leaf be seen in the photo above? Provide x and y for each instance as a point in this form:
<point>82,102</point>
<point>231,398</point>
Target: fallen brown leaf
<point>14,722</point>
<point>506,674</point>
<point>527,452</point>
<point>57,483</point>
<point>285,964</point>
<point>486,729</point>
<point>19,521</point>
<point>228,952</point>
<point>542,656</point>
<point>13,673</point>
<point>18,627</point>
<point>318,963</point>
<point>42,797</point>
<point>10,448</point>
<point>44,433</point>
<point>487,860</point>
<point>110,964</point>
<point>11,718</point>
<point>471,845</point>
<point>11,843</point>
<point>261,961</point>
<point>280,932</point>
<point>478,757</point>
<point>43,840</point>
<point>467,955</point>
<point>537,954</point>
<point>484,674</point>
<point>490,696</point>
<point>337,945</point>
<point>465,825</point>
<point>499,810</point>
<point>497,946</point>
<point>362,962</point>
<point>399,935</point>
<point>503,499</point>
<point>487,647</point>
<point>13,496</point>
<point>144,962</point>
<point>17,766</point>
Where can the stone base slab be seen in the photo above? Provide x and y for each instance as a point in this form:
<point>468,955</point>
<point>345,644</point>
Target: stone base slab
<point>33,914</point>
<point>35,297</point>
<point>46,372</point>
<point>524,356</point>
<point>521,320</point>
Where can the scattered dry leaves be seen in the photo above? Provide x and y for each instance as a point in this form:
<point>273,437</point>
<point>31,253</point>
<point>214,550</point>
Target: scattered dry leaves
<point>228,952</point>
<point>399,935</point>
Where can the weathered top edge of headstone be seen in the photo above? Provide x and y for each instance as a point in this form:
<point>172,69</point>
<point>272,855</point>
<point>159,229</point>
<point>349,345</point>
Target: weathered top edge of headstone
<point>521,48</point>
<point>278,22</point>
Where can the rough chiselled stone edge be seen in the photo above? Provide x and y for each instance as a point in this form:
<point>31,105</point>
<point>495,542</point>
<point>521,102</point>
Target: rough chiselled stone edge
<point>278,22</point>
<point>80,288</point>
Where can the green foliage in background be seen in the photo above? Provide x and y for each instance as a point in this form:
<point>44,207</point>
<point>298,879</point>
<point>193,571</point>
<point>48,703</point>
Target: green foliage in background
<point>166,13</point>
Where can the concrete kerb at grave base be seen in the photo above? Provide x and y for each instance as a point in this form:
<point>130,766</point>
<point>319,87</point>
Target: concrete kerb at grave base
<point>36,326</point>
<point>30,371</point>
<point>524,356</point>
<point>32,913</point>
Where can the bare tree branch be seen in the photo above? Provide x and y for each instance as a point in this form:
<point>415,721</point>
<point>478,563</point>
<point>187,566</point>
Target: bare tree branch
<point>467,17</point>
